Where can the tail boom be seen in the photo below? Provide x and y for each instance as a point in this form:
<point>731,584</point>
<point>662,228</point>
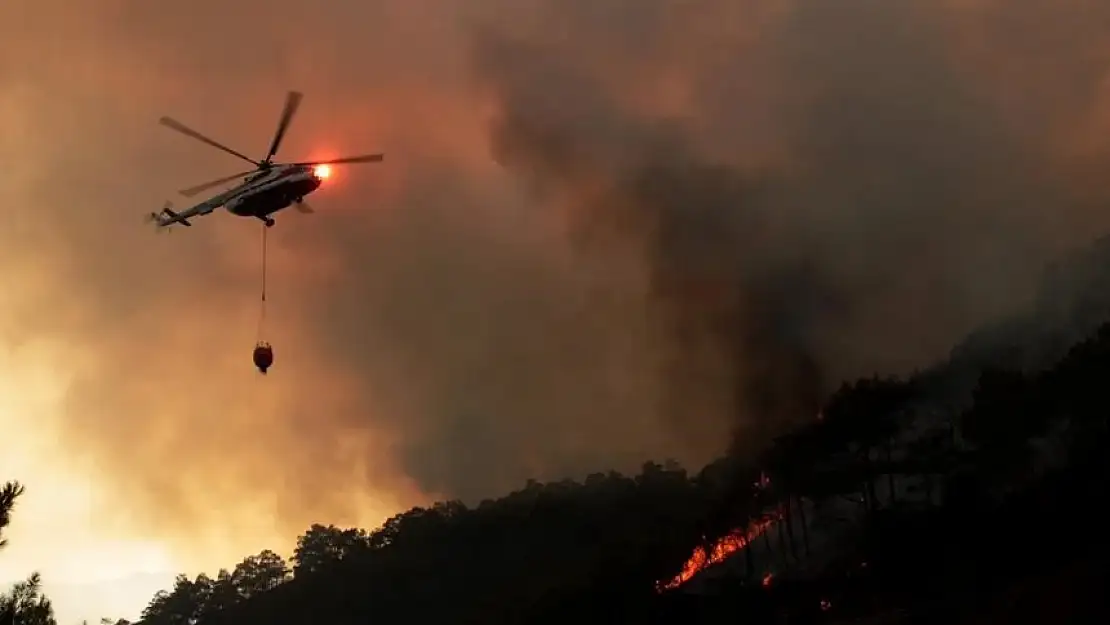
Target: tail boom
<point>167,218</point>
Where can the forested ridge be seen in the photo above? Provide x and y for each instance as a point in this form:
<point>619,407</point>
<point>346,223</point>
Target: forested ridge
<point>955,494</point>
<point>921,495</point>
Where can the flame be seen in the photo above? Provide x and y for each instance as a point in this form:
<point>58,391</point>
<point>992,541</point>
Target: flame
<point>729,544</point>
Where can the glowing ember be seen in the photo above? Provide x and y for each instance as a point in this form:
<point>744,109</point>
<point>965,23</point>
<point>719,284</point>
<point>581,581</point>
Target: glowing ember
<point>725,547</point>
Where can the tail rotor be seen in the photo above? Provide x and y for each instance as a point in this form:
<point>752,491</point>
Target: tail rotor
<point>155,218</point>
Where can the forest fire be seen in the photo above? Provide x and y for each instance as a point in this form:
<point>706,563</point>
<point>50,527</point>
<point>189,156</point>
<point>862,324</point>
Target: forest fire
<point>721,550</point>
<point>729,544</point>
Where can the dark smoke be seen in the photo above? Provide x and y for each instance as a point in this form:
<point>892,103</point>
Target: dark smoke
<point>905,214</point>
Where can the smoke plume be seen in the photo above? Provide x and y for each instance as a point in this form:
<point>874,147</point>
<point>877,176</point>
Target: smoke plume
<point>604,231</point>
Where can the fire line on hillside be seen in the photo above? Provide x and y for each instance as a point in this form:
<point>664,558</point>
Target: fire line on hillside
<point>727,545</point>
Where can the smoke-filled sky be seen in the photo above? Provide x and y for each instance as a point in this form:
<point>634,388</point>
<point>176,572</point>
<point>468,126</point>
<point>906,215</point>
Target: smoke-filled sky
<point>605,231</point>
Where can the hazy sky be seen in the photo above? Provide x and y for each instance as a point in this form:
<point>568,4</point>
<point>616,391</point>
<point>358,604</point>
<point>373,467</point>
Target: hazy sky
<point>604,231</point>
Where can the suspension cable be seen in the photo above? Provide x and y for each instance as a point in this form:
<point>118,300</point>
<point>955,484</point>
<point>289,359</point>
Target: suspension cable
<point>262,310</point>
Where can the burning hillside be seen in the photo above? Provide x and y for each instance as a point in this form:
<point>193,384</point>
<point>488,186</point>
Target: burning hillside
<point>721,550</point>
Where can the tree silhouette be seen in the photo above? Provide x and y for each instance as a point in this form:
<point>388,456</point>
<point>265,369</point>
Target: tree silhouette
<point>221,594</point>
<point>858,420</point>
<point>9,493</point>
<point>323,545</point>
<point>181,605</point>
<point>259,573</point>
<point>24,603</point>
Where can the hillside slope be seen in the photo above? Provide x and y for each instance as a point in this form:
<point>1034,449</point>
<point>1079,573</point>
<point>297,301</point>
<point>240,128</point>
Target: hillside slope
<point>947,487</point>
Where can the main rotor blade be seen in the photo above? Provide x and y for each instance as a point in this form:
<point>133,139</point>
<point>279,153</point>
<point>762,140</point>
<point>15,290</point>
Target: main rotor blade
<point>172,123</point>
<point>292,103</point>
<point>350,160</point>
<point>191,191</point>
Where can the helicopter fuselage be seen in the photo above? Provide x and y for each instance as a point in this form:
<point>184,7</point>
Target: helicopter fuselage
<point>265,190</point>
<point>266,193</point>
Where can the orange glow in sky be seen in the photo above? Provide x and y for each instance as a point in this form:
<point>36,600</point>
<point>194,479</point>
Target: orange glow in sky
<point>89,568</point>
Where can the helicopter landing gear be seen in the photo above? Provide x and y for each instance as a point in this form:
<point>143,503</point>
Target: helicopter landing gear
<point>269,222</point>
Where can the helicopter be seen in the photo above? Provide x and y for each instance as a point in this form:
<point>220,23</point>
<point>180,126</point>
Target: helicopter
<point>265,190</point>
